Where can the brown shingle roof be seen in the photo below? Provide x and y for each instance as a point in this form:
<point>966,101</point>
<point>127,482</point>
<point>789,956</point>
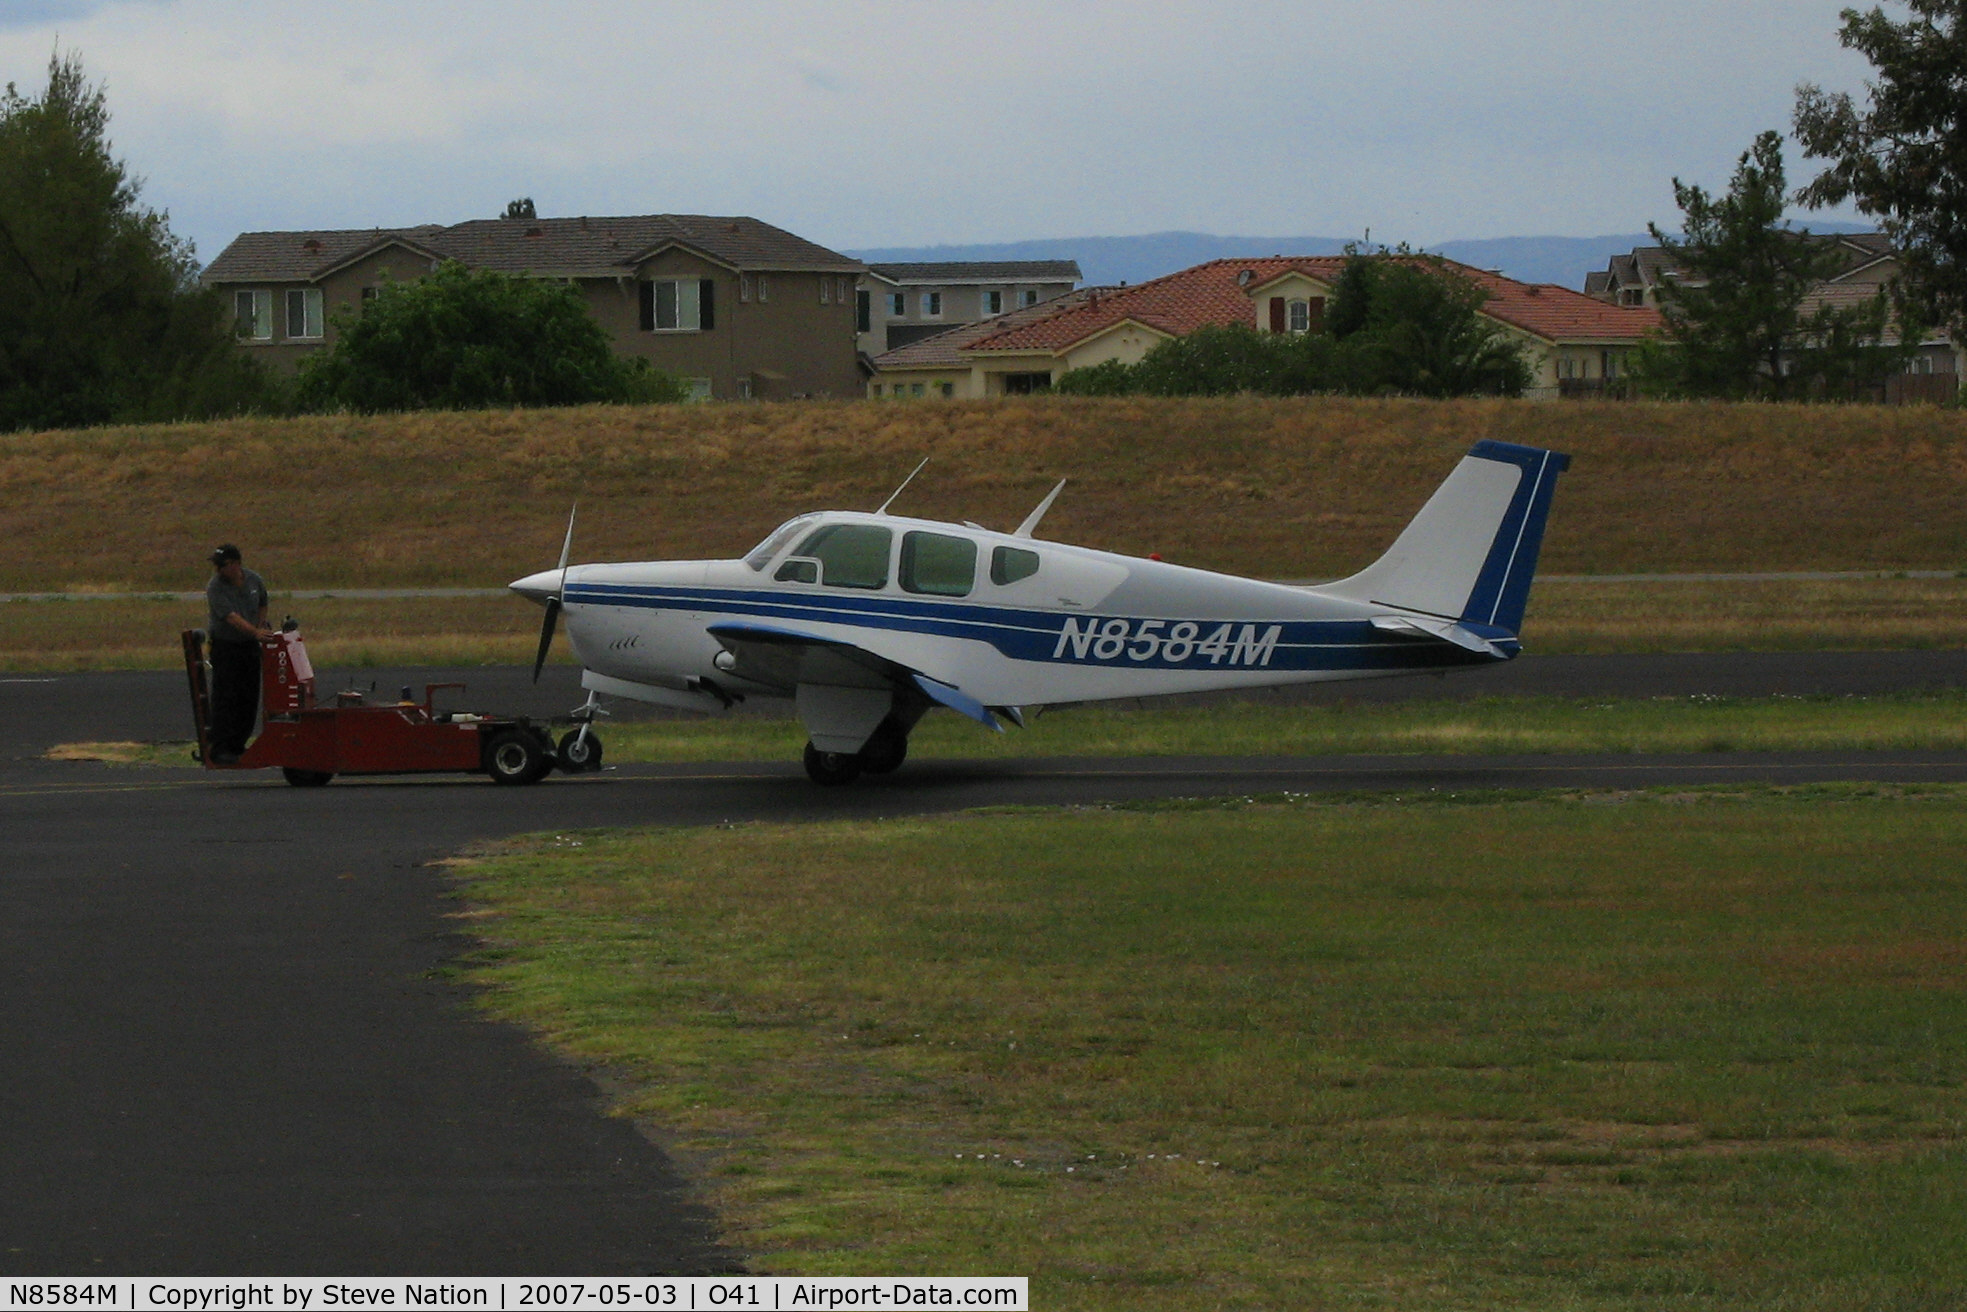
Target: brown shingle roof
<point>1219,293</point>
<point>955,271</point>
<point>583,247</point>
<point>295,256</point>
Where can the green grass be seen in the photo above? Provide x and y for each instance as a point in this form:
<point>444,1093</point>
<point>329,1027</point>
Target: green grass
<point>1908,721</point>
<point>1700,1050</point>
<point>1930,721</point>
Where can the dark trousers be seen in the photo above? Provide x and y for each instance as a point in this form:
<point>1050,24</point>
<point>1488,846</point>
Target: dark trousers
<point>235,694</point>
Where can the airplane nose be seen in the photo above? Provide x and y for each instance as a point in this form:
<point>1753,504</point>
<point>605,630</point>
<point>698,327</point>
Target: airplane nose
<point>537,587</point>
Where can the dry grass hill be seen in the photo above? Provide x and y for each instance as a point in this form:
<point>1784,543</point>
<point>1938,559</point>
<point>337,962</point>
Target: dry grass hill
<point>1280,488</point>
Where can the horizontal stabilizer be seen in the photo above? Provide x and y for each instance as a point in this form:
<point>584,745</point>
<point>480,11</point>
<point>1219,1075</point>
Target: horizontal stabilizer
<point>1427,626</point>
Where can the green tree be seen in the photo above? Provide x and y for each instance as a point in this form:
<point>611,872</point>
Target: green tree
<point>1736,316</point>
<point>460,340</point>
<point>101,317</point>
<point>1398,323</point>
<point>1407,323</point>
<point>521,208</point>
<point>1902,157</point>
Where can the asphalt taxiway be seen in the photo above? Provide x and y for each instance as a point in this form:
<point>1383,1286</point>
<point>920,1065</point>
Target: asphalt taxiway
<point>229,1043</point>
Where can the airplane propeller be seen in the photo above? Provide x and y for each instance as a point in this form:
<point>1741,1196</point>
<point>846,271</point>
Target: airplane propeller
<point>553,602</point>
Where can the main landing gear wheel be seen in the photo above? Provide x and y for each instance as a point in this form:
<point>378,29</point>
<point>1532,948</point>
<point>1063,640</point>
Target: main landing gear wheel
<point>577,754</point>
<point>831,767</point>
<point>884,752</point>
<point>517,756</point>
<point>306,778</point>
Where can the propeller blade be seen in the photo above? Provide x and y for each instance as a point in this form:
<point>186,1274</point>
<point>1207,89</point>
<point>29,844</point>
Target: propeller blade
<point>546,635</point>
<point>567,547</point>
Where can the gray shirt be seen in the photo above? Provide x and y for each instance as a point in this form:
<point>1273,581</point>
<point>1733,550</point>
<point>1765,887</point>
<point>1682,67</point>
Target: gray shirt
<point>246,601</point>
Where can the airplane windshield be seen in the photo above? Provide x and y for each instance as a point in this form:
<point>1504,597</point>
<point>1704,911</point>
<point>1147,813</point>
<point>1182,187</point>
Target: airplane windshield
<point>761,555</point>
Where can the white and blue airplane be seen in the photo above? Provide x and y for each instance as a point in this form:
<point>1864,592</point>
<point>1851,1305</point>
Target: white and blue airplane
<point>869,620</point>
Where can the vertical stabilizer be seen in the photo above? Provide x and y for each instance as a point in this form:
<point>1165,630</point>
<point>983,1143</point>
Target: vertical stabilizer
<point>1470,553</point>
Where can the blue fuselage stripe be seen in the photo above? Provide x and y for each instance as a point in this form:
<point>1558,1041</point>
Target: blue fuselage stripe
<point>1065,638</point>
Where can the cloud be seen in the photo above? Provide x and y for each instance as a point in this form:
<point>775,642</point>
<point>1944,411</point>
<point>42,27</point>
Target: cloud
<point>861,122</point>
<point>48,13</point>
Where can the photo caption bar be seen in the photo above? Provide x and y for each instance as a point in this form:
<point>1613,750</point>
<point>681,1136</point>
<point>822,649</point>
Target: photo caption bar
<point>503,1294</point>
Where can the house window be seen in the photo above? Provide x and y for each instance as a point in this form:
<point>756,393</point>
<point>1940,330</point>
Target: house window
<point>947,389</point>
<point>764,288</point>
<point>370,294</point>
<point>993,303</point>
<point>932,305</point>
<point>1300,316</point>
<point>826,291</point>
<point>845,286</point>
<point>897,305</point>
<point>679,305</point>
<point>915,389</point>
<point>863,312</point>
<point>1028,297</point>
<point>252,315</point>
<point>744,288</point>
<point>304,312</point>
<point>696,389</point>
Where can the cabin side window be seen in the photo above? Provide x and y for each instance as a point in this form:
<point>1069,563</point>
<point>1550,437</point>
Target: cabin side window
<point>938,564</point>
<point>1010,564</point>
<point>850,555</point>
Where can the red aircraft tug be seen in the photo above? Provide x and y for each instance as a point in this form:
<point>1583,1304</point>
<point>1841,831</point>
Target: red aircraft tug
<point>311,744</point>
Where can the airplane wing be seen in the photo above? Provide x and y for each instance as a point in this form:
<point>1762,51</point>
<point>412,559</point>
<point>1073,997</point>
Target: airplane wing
<point>774,654</point>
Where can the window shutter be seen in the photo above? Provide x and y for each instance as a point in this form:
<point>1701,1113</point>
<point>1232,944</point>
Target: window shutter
<point>707,303</point>
<point>648,307</point>
<point>1317,314</point>
<point>1277,314</point>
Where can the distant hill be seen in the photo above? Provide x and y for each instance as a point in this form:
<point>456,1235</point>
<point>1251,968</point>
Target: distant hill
<point>1107,260</point>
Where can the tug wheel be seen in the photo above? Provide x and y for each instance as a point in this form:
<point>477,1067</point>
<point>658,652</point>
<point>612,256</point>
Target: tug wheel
<point>831,767</point>
<point>306,778</point>
<point>577,754</point>
<point>516,756</point>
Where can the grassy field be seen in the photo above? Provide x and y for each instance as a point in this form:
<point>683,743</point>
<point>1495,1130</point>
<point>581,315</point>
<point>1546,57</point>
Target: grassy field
<point>1931,721</point>
<point>1696,1050</point>
<point>1565,618</point>
<point>1304,488</point>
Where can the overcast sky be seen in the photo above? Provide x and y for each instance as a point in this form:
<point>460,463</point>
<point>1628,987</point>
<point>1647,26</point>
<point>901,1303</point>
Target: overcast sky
<point>940,121</point>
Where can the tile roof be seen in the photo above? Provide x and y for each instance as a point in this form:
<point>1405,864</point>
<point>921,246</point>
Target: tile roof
<point>958,271</point>
<point>1219,293</point>
<point>945,349</point>
<point>582,247</point>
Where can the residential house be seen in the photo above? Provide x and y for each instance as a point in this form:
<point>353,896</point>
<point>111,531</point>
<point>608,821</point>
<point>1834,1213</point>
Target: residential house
<point>1869,264</point>
<point>736,307</point>
<point>902,303</point>
<point>1568,339</point>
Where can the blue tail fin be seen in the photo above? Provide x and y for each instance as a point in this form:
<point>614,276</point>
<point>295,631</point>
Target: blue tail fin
<point>1470,553</point>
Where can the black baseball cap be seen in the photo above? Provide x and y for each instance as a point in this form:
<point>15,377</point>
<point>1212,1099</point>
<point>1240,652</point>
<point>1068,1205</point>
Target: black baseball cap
<point>223,552</point>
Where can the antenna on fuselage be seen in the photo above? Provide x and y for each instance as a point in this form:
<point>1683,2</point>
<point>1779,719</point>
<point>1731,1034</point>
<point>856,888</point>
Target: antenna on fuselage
<point>1030,524</point>
<point>898,491</point>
